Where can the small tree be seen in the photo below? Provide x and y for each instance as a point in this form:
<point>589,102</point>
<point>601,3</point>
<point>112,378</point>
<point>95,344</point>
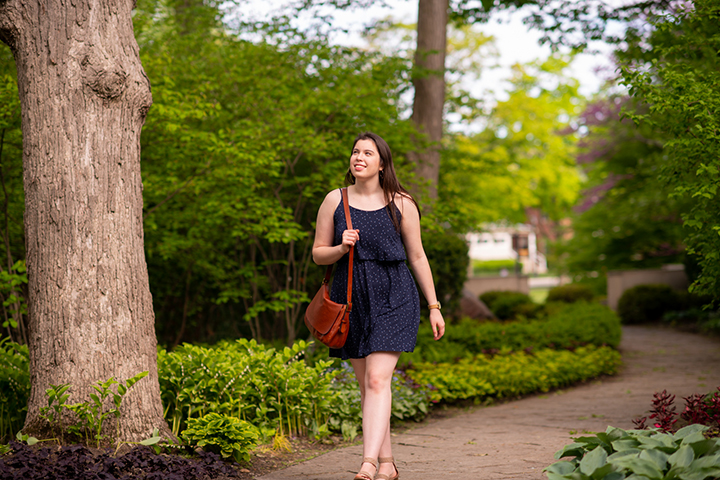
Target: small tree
<point>680,87</point>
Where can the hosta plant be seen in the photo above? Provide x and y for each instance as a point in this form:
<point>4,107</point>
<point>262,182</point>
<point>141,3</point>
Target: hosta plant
<point>228,436</point>
<point>618,454</point>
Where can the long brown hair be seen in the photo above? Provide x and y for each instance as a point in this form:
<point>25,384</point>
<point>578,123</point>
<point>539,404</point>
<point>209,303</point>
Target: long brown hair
<point>388,178</point>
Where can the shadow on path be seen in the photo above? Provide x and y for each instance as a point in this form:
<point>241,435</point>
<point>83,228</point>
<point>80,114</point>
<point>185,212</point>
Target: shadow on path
<point>516,440</point>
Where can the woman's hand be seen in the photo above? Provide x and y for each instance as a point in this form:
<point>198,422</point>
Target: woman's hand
<point>349,238</point>
<point>438,323</point>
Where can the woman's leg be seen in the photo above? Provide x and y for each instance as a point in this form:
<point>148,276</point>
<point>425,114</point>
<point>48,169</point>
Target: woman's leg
<point>374,374</point>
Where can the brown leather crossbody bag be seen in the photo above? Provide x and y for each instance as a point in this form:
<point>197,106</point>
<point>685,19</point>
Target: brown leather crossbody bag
<point>328,321</point>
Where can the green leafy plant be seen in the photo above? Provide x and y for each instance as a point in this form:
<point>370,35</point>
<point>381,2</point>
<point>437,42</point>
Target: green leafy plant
<point>510,374</point>
<point>273,389</point>
<point>14,387</point>
<point>646,303</point>
<point>507,305</point>
<point>571,326</point>
<point>57,396</point>
<point>570,293</point>
<point>410,401</point>
<point>640,454</point>
<point>91,415</point>
<point>30,440</point>
<point>223,434</point>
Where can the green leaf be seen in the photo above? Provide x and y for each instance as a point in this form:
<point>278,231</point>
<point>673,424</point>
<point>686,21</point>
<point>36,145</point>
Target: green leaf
<point>658,457</point>
<point>683,457</point>
<point>629,451</point>
<point>151,441</point>
<point>561,468</point>
<point>593,460</point>
<point>639,466</point>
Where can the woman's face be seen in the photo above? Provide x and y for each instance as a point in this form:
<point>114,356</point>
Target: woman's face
<point>365,160</point>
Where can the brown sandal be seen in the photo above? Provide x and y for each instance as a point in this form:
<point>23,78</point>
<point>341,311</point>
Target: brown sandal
<point>382,476</point>
<point>365,475</point>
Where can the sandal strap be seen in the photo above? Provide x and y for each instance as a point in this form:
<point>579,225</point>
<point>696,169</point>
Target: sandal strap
<point>364,474</point>
<point>384,476</point>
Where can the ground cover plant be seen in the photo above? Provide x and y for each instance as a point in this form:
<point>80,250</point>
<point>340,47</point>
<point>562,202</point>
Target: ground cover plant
<point>615,454</point>
<point>569,327</point>
<point>275,390</point>
<point>510,374</point>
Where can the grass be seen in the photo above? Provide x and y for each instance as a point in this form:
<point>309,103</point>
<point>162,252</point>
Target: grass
<point>539,295</point>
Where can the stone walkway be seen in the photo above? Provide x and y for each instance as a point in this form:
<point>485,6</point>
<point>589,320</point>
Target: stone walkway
<point>516,440</point>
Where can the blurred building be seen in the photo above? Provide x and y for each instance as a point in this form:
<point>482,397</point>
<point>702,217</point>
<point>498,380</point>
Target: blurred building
<point>503,242</point>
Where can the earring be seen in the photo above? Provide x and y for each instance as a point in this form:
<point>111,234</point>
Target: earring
<point>382,176</point>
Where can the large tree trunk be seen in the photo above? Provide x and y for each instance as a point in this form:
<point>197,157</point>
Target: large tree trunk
<point>429,82</point>
<point>84,99</point>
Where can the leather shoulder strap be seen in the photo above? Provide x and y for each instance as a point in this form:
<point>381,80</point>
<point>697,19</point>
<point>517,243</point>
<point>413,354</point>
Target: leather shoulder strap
<point>328,272</point>
<point>346,203</point>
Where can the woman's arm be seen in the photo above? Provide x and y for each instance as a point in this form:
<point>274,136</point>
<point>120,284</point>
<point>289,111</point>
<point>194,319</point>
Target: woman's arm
<point>410,230</point>
<point>324,253</point>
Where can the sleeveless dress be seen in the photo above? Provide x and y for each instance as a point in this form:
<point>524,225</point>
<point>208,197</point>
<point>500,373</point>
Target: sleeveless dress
<point>385,312</point>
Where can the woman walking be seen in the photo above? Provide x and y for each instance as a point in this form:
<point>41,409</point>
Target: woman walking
<point>386,308</point>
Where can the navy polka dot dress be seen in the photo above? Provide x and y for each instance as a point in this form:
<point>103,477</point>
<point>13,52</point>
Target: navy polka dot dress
<point>386,308</point>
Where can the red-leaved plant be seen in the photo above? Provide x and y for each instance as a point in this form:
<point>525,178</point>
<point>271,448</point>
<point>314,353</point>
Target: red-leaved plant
<point>699,408</point>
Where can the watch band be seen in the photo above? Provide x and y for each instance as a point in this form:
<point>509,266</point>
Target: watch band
<point>435,305</point>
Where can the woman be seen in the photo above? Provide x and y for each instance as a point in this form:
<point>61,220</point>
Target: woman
<point>386,309</point>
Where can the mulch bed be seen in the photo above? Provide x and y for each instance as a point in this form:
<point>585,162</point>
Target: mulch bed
<point>77,462</point>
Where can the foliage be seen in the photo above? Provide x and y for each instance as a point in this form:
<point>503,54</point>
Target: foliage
<point>90,415</point>
<point>510,374</point>
<point>646,303</point>
<point>228,436</point>
<point>275,390</point>
<point>699,409</point>
<point>677,80</point>
<point>617,454</point>
<point>243,141</point>
<point>14,387</point>
<point>624,219</point>
<point>572,326</point>
<point>570,293</point>
<point>448,257</point>
<point>77,462</point>
<point>521,159</point>
<point>13,280</point>
<point>410,401</point>
<point>507,304</point>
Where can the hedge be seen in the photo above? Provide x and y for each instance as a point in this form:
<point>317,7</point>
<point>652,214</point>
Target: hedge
<point>574,325</point>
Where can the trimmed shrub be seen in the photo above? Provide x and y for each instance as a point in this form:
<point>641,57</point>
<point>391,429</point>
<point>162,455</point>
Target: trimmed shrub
<point>511,374</point>
<point>570,293</point>
<point>647,303</point>
<point>506,305</point>
<point>575,325</point>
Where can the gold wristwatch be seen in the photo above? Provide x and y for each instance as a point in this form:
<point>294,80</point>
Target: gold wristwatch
<point>435,305</point>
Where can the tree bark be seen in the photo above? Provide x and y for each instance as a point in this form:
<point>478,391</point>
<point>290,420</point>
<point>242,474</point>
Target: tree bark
<point>429,82</point>
<point>84,98</point>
